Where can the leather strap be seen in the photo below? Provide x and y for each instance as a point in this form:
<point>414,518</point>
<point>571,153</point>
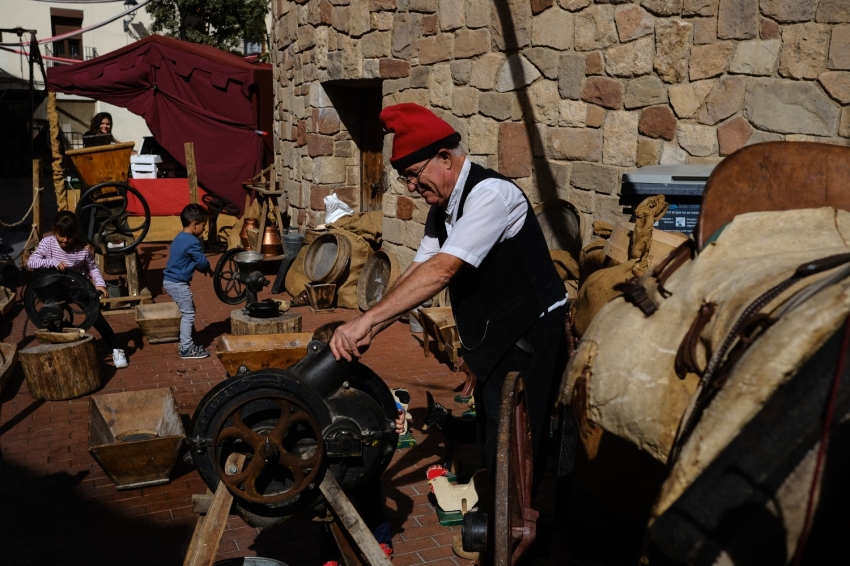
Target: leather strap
<point>686,359</point>
<point>668,266</point>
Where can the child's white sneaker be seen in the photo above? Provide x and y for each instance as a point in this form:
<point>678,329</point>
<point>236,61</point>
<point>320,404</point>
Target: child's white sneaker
<point>118,358</point>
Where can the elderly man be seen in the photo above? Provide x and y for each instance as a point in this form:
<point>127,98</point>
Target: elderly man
<point>483,241</point>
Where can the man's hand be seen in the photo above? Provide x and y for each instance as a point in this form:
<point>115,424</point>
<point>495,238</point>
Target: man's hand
<point>351,339</point>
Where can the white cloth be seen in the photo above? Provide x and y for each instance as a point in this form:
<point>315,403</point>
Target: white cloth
<point>335,209</point>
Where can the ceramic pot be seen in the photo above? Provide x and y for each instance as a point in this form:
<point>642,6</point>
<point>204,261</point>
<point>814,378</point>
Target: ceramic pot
<point>243,234</point>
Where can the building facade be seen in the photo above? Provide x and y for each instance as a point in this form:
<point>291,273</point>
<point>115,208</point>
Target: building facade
<point>563,96</point>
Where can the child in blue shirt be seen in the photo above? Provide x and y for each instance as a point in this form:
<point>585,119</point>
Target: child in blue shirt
<point>185,257</point>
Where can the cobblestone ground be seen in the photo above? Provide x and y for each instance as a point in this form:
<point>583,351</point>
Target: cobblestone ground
<point>59,507</point>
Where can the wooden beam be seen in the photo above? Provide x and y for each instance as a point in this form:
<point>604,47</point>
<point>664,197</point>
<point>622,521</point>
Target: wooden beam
<point>348,517</point>
<point>191,172</point>
<point>36,195</point>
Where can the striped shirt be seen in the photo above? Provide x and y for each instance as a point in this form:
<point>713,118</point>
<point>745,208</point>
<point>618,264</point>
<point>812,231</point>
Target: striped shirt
<point>48,253</point>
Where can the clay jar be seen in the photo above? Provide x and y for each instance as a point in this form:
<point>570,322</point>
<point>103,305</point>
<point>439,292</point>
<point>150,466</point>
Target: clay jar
<point>272,245</point>
<point>243,234</point>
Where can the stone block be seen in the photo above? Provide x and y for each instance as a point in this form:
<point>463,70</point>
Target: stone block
<point>756,57</point>
<point>699,8</point>
<point>485,70</point>
<point>595,116</point>
<point>699,141</point>
<point>633,22</point>
<point>833,12</point>
<point>594,64</point>
<point>378,5</point>
<point>672,154</point>
<point>394,85</point>
<point>724,100</point>
<point>839,48</point>
<point>516,15</point>
<point>790,107</point>
<point>451,15</point>
<point>575,144</point>
<point>710,60</point>
<point>301,133</point>
<point>329,170</point>
<point>477,13</point>
<point>546,60</point>
<point>648,152</point>
<point>344,148</point>
<point>788,11</point>
<point>425,6</point>
<point>319,145</point>
<point>804,50</point>
<point>705,30</point>
<point>733,135</point>
<point>469,43</point>
<point>620,134</point>
<point>514,150</point>
<point>602,179</point>
<point>645,91</point>
<point>393,68</point>
<point>672,40</point>
<point>430,24</point>
<point>382,21</point>
<point>551,180</point>
<point>325,121</point>
<point>663,7</point>
<point>395,230</point>
<point>658,122</point>
<point>762,137</point>
<point>516,73</point>
<point>543,97</point>
<point>497,105</point>
<point>360,19</point>
<point>483,135</point>
<point>436,48</point>
<point>317,196</point>
<point>441,86</point>
<point>574,5</point>
<point>770,30</point>
<point>538,6</point>
<point>553,28</point>
<point>837,85</point>
<point>738,19</point>
<point>464,101</point>
<point>461,70</point>
<point>572,114</point>
<point>419,77</point>
<point>318,97</point>
<point>630,59</point>
<point>595,28</point>
<point>603,91</point>
<point>687,98</point>
<point>404,208</point>
<point>844,125</point>
<point>570,75</point>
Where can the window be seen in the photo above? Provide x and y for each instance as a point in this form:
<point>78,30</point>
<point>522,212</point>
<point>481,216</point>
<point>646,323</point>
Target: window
<point>63,21</point>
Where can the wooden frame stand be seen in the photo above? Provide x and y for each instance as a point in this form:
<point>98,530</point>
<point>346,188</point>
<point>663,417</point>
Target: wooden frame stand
<point>136,295</point>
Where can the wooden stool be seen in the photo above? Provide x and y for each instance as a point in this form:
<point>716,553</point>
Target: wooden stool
<point>55,372</point>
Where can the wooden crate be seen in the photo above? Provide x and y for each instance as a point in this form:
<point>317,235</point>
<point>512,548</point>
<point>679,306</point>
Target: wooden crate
<point>260,351</point>
<point>135,436</point>
<point>160,322</point>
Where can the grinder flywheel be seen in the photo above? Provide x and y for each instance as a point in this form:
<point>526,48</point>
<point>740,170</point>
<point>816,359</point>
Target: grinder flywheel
<point>293,426</point>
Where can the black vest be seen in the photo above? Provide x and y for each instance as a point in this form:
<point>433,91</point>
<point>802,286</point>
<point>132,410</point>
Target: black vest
<point>496,302</point>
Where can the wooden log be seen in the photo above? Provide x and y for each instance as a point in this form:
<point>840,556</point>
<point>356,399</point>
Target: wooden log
<point>191,172</point>
<point>286,323</point>
<point>62,371</point>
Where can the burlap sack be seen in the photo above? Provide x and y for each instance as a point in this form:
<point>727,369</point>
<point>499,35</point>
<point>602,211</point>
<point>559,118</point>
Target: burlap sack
<point>346,286</point>
<point>295,277</point>
<point>567,268</point>
<point>368,225</point>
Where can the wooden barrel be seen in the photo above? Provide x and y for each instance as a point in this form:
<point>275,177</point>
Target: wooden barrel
<point>381,271</point>
<point>326,258</point>
<point>62,371</point>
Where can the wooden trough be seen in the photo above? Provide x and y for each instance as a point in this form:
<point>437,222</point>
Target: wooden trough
<point>135,436</point>
<point>160,322</point>
<point>8,298</point>
<point>8,361</point>
<point>260,351</point>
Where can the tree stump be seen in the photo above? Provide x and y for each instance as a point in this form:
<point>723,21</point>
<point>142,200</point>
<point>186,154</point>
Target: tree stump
<point>286,323</point>
<point>62,371</point>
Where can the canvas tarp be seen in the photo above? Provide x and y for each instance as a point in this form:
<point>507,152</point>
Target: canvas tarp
<point>186,93</point>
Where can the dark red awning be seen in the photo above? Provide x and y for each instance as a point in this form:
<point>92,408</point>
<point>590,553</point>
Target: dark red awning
<point>186,92</point>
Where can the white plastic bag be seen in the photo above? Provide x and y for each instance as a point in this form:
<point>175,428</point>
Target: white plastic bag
<point>335,209</point>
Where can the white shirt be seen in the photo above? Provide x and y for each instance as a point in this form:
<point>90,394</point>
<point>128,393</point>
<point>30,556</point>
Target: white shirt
<point>494,211</point>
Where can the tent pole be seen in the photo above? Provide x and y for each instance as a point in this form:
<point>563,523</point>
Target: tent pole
<point>191,172</point>
<point>56,162</point>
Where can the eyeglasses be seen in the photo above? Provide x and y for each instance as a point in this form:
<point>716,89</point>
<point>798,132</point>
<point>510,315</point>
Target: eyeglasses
<point>414,179</point>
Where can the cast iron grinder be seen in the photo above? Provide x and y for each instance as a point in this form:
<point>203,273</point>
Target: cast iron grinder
<point>237,277</point>
<point>56,300</point>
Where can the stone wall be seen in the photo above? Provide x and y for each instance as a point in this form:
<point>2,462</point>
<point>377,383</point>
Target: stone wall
<point>563,96</point>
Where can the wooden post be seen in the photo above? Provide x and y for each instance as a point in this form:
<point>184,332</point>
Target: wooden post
<point>191,172</point>
<point>36,195</point>
<point>56,163</point>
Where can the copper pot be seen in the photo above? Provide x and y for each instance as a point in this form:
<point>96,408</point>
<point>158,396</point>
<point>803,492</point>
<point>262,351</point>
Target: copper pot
<point>271,246</point>
<point>243,234</point>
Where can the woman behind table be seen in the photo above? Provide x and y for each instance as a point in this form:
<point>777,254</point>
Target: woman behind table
<point>64,250</point>
<point>100,124</point>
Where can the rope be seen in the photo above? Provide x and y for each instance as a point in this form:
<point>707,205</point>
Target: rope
<point>27,213</point>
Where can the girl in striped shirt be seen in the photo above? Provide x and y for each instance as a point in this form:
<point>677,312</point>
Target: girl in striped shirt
<point>64,250</point>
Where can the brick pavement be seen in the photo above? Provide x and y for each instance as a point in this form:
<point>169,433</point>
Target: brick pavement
<point>60,508</point>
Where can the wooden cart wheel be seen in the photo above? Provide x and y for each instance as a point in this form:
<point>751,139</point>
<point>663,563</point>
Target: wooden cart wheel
<point>515,522</point>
